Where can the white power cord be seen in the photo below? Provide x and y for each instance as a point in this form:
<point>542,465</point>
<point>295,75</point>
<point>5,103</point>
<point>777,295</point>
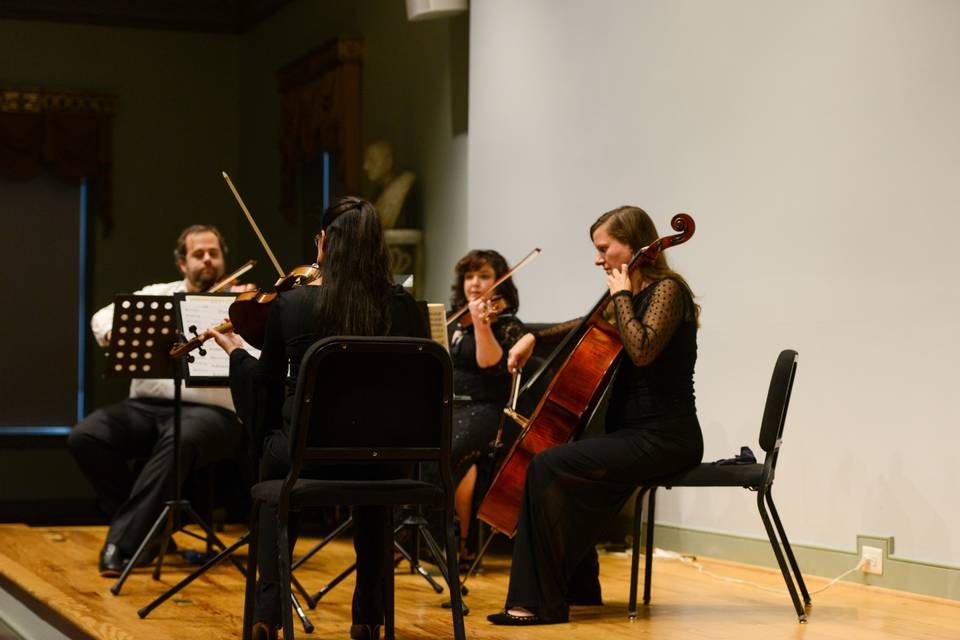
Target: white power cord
<point>689,561</point>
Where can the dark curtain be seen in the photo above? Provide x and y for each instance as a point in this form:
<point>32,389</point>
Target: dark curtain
<point>321,112</point>
<point>69,144</point>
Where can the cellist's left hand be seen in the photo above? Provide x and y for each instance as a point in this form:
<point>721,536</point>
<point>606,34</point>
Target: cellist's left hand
<point>619,280</point>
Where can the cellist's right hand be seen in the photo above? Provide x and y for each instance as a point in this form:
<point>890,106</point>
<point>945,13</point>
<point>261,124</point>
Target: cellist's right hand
<point>520,352</point>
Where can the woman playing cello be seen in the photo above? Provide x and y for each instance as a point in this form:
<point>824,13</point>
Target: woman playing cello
<point>572,491</point>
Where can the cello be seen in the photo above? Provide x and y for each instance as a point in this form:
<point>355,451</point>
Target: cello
<point>592,351</point>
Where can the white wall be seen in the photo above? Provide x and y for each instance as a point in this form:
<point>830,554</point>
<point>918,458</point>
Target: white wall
<point>817,145</point>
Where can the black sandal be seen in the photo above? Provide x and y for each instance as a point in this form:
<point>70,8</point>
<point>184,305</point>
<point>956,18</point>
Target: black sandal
<point>506,618</point>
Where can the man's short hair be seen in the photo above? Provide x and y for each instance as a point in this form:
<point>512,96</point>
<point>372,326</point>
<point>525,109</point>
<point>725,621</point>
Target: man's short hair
<point>180,251</point>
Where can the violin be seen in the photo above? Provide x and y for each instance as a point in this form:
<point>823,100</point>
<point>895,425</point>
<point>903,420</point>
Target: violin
<point>249,310</point>
<point>183,348</point>
<point>590,354</point>
<point>495,306</point>
<point>248,313</point>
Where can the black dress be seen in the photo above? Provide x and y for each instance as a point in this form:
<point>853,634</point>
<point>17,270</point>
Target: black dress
<point>480,393</point>
<point>263,392</point>
<point>574,490</point>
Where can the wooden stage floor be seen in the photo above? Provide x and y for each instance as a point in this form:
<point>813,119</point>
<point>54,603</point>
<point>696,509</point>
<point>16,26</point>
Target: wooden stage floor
<point>55,569</point>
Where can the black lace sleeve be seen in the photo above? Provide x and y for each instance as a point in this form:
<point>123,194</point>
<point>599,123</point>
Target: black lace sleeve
<point>644,337</point>
<point>507,330</point>
<point>552,336</point>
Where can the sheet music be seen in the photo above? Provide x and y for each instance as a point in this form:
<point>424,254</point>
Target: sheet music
<point>205,312</point>
<point>438,323</point>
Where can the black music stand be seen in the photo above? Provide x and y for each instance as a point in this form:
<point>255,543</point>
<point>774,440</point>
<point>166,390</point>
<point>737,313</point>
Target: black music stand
<point>144,330</point>
<point>195,378</point>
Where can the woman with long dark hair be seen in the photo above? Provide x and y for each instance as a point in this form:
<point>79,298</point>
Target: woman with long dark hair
<point>479,345</point>
<point>353,296</point>
<point>572,491</point>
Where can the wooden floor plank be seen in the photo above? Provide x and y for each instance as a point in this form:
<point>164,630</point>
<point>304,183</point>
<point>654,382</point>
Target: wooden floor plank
<point>57,567</point>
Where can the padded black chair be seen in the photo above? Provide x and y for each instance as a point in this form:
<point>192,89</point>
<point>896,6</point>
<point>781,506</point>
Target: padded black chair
<point>755,477</point>
<point>365,400</point>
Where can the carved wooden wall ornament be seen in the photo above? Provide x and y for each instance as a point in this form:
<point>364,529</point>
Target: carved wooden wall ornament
<point>67,134</point>
<point>321,112</point>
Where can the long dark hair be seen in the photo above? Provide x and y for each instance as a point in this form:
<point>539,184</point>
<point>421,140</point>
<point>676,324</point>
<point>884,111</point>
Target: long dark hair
<point>474,261</point>
<point>355,295</point>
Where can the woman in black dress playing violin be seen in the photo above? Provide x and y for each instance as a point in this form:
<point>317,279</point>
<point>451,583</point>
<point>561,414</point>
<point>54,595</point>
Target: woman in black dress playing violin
<point>479,344</point>
<point>572,491</point>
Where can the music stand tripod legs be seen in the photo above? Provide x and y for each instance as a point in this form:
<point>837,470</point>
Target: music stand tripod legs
<point>420,530</point>
<point>171,518</point>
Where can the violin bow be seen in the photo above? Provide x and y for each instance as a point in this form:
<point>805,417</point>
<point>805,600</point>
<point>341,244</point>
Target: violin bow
<point>530,256</point>
<point>253,224</point>
<point>249,264</point>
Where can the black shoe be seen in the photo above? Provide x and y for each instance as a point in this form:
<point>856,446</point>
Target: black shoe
<point>365,632</point>
<point>111,564</point>
<point>508,619</point>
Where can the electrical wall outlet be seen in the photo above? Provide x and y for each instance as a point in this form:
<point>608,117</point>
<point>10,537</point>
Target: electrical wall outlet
<point>873,559</point>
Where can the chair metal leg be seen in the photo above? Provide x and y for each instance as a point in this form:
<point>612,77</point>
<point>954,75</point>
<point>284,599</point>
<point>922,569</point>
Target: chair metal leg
<point>283,549</point>
<point>251,585</point>
<point>788,550</point>
<point>453,578</point>
<point>771,534</point>
<point>389,618</point>
<point>635,558</point>
<point>648,555</point>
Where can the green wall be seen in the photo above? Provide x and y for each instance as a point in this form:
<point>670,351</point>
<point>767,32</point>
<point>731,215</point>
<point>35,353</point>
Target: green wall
<point>176,127</point>
<point>414,88</point>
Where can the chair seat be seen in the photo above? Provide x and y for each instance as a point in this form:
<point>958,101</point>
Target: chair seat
<point>714,475</point>
<point>350,492</point>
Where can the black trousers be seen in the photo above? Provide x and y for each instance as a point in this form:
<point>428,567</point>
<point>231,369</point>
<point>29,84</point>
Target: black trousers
<point>369,535</point>
<point>106,441</point>
<point>572,492</point>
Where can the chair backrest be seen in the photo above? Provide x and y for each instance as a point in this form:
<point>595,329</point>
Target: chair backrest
<point>373,399</point>
<point>778,400</point>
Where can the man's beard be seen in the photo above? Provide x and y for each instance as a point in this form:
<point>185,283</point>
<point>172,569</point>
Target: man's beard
<point>202,279</point>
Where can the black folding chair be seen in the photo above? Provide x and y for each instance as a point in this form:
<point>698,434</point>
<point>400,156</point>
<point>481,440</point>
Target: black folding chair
<point>370,400</point>
<point>755,477</point>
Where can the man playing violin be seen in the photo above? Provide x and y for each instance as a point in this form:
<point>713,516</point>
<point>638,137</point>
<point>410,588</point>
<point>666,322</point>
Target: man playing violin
<point>140,427</point>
